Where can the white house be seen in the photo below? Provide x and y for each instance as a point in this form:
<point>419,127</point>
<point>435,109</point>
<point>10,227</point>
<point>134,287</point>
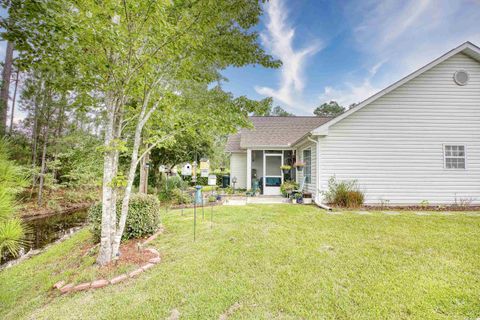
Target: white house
<point>417,140</point>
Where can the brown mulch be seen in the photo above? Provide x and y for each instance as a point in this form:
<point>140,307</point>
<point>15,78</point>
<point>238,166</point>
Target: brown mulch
<point>130,254</point>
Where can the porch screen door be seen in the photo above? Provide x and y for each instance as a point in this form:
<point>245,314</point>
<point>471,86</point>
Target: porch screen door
<point>273,175</point>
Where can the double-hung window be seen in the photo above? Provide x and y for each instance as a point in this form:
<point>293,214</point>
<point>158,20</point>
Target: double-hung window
<point>307,159</point>
<point>454,156</point>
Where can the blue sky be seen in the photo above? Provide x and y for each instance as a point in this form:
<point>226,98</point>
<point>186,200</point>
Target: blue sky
<point>349,50</point>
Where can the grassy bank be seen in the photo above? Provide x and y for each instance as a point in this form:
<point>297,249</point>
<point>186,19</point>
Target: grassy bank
<point>282,262</point>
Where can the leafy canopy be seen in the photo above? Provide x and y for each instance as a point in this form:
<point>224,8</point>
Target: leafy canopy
<point>329,110</point>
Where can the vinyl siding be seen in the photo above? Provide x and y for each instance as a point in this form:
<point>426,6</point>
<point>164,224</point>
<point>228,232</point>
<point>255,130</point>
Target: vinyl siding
<point>394,146</point>
<point>238,168</point>
<point>309,187</point>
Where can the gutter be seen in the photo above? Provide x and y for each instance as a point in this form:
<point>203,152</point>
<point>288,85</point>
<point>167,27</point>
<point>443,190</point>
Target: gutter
<point>323,206</point>
<point>317,178</point>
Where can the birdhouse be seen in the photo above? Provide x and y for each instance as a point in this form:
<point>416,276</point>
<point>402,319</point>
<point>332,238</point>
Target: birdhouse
<point>212,180</point>
<point>204,168</point>
<point>204,164</point>
<point>187,169</point>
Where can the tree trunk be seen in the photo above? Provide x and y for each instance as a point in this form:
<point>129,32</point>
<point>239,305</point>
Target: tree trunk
<point>34,144</point>
<point>13,101</point>
<point>4,92</point>
<point>142,119</point>
<point>143,185</point>
<point>43,165</point>
<point>128,189</point>
<point>109,205</point>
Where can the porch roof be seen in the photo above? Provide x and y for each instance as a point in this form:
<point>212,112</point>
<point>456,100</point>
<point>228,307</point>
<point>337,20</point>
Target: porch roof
<point>274,132</point>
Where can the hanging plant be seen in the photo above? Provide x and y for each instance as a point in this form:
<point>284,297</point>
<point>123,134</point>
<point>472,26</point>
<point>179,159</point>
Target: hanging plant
<point>285,168</point>
<point>299,165</point>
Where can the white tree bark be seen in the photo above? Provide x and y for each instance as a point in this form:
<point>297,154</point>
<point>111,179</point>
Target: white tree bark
<point>4,90</point>
<point>108,189</point>
<point>143,183</point>
<point>142,120</point>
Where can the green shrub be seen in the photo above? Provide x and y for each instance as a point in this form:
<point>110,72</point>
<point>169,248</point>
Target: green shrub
<point>355,199</point>
<point>287,187</point>
<point>167,185</point>
<point>180,197</point>
<point>344,193</point>
<point>227,190</point>
<point>12,179</point>
<point>212,199</point>
<point>143,216</point>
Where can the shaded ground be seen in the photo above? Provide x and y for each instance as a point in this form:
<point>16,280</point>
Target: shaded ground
<point>280,262</point>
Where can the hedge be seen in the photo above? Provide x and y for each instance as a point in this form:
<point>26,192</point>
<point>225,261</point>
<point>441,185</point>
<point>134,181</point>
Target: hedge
<point>143,217</point>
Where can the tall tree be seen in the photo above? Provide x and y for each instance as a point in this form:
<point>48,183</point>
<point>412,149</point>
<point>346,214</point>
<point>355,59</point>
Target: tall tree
<point>140,60</point>
<point>275,112</point>
<point>280,112</point>
<point>329,110</point>
<point>14,100</point>
<point>5,89</point>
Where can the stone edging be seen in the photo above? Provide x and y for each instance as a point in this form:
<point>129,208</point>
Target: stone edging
<point>100,283</point>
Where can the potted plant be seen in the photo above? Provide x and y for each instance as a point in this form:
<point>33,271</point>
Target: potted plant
<point>298,198</point>
<point>285,168</point>
<point>293,199</point>
<point>299,165</point>
<point>307,198</point>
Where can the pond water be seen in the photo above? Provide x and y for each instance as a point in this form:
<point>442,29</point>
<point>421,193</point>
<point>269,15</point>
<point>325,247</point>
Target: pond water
<point>45,230</point>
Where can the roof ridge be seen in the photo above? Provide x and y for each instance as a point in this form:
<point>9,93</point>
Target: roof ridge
<point>289,117</point>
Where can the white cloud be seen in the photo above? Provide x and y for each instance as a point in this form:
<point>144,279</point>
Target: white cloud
<point>278,40</point>
<point>398,37</point>
<point>353,93</point>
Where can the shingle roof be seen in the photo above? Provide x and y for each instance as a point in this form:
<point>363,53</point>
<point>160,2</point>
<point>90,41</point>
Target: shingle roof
<point>273,132</point>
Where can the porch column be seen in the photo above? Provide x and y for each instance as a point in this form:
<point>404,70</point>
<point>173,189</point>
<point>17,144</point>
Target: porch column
<point>318,196</point>
<point>249,169</point>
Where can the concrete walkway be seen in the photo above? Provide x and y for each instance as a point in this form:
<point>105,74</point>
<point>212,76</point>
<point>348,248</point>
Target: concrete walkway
<point>240,201</point>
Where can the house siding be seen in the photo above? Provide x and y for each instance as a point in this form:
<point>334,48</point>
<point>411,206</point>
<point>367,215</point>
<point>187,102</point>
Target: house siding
<point>238,168</point>
<point>302,145</point>
<point>393,147</point>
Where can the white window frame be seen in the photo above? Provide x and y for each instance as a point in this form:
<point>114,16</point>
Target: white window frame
<point>305,167</point>
<point>455,157</point>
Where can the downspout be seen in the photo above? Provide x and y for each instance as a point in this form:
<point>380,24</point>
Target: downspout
<point>317,178</point>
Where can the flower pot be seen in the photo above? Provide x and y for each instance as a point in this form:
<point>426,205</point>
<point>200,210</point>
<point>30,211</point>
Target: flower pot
<point>286,171</point>
<point>294,201</point>
<point>299,168</point>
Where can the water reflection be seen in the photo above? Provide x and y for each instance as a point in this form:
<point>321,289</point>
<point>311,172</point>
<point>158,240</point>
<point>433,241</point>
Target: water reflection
<point>45,230</point>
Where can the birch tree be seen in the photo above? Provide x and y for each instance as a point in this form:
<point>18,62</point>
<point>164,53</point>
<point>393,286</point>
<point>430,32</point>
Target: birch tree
<point>142,60</point>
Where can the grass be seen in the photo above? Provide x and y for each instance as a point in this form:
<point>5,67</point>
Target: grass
<point>280,262</point>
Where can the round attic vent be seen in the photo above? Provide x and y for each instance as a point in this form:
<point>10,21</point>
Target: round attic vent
<point>461,77</point>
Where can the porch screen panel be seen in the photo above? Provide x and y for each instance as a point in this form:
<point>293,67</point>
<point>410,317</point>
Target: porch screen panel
<point>307,159</point>
<point>273,165</point>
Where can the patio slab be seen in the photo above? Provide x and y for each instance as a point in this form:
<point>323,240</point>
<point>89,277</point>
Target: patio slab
<point>266,200</point>
<point>235,202</point>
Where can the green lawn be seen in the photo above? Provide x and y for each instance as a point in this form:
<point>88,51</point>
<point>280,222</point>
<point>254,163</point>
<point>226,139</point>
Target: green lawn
<point>276,262</point>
